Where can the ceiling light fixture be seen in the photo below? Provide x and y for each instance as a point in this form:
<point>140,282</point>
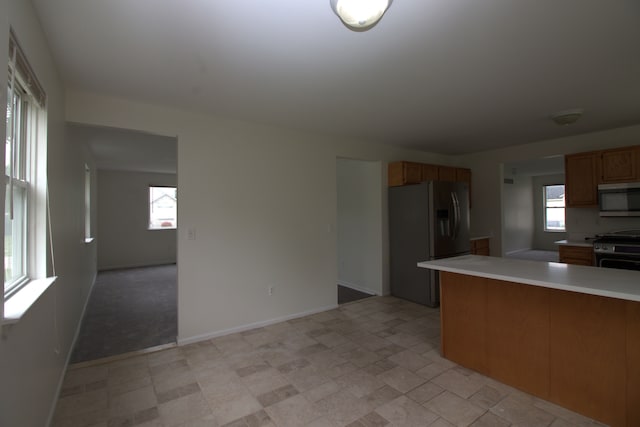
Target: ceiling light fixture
<point>567,117</point>
<point>360,15</point>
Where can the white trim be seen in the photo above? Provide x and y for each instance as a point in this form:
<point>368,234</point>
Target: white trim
<point>356,287</point>
<point>63,372</point>
<point>207,336</point>
<point>518,251</point>
<point>19,303</point>
<point>127,266</point>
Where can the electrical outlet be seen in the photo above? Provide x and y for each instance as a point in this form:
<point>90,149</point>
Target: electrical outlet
<point>270,290</point>
<point>191,234</point>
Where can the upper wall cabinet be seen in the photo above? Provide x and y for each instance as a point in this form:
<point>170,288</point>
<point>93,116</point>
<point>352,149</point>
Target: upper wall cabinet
<point>584,171</point>
<point>403,173</point>
<point>620,165</point>
<point>581,179</point>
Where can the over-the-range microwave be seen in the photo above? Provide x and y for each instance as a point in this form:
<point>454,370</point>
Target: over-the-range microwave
<point>619,199</point>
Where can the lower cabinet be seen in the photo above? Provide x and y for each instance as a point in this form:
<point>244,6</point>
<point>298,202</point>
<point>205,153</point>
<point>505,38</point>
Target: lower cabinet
<point>480,246</point>
<point>579,351</point>
<point>578,255</point>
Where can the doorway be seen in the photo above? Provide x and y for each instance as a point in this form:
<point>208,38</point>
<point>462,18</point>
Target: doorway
<point>132,305</point>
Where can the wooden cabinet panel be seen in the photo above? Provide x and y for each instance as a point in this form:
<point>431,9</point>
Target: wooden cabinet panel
<point>578,255</point>
<point>633,367</point>
<point>446,173</point>
<point>514,357</point>
<point>429,172</point>
<point>619,165</point>
<point>480,247</point>
<point>588,355</point>
<point>581,182</point>
<point>403,173</point>
<point>463,316</point>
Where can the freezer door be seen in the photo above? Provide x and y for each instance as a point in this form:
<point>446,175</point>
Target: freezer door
<point>449,219</point>
<point>409,244</point>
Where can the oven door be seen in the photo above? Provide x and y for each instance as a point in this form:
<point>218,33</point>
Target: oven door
<point>624,262</point>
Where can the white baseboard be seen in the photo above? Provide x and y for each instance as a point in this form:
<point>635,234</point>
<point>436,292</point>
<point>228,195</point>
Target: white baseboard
<point>52,411</point>
<point>135,265</point>
<point>517,251</point>
<point>356,287</point>
<point>261,324</point>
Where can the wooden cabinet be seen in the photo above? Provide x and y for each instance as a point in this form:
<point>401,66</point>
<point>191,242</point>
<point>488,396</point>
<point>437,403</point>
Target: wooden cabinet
<point>430,172</point>
<point>446,173</point>
<point>403,173</point>
<point>619,165</point>
<point>480,247</point>
<point>578,255</point>
<point>579,351</point>
<point>581,179</point>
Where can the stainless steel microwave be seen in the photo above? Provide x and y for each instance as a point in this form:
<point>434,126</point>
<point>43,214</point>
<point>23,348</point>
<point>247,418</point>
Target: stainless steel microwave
<point>619,199</point>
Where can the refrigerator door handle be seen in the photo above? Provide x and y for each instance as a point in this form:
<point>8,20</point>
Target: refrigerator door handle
<point>456,214</point>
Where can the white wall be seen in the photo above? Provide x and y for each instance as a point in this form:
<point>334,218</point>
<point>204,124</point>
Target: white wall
<point>487,181</point>
<point>34,352</point>
<point>517,207</point>
<point>359,229</point>
<point>124,239</point>
<point>545,239</point>
<point>263,202</point>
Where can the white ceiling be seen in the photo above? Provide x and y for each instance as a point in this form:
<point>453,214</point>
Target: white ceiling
<point>447,76</point>
<point>126,150</point>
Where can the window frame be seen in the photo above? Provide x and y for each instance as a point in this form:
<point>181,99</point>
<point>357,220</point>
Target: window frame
<point>545,209</point>
<point>149,208</point>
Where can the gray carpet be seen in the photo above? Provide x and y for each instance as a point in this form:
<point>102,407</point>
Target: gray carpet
<point>128,310</point>
<point>348,295</point>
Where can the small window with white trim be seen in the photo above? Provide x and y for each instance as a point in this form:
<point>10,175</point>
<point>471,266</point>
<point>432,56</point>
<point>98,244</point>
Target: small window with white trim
<point>553,198</point>
<point>163,208</point>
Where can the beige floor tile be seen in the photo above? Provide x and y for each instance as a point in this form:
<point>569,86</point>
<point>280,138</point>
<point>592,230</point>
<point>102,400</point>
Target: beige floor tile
<point>571,417</point>
<point>404,412</point>
<point>360,356</point>
<point>168,381</point>
<point>359,383</point>
<point>234,404</point>
<point>487,397</point>
<point>321,391</point>
<point>121,386</point>
<point>82,376</point>
<point>322,422</point>
<point>307,378</point>
<point>183,409</point>
<point>441,422</point>
<point>135,369</point>
<point>343,407</point>
<point>165,356</point>
<point>128,403</point>
<point>401,379</point>
<point>454,409</point>
<point>381,396</point>
<point>81,418</point>
<point>293,412</point>
<point>425,392</point>
<point>409,360</point>
<point>490,420</point>
<point>264,381</point>
<point>462,385</point>
<point>518,412</point>
<point>404,340</point>
<point>332,339</point>
<point>82,403</point>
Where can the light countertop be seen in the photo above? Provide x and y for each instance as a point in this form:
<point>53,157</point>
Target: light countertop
<point>583,243</point>
<point>606,282</point>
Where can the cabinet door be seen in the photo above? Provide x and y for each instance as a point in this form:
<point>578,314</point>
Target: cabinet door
<point>446,173</point>
<point>480,247</point>
<point>619,165</point>
<point>429,172</point>
<point>581,183</point>
<point>403,173</point>
<point>578,255</point>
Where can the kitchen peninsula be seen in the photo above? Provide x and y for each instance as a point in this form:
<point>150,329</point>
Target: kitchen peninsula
<point>569,334</point>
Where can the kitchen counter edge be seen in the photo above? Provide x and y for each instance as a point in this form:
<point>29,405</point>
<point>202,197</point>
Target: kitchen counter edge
<point>605,282</point>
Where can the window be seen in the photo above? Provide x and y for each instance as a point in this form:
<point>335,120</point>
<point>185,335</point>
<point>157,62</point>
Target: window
<point>25,176</point>
<point>88,238</point>
<point>163,208</point>
<point>553,196</point>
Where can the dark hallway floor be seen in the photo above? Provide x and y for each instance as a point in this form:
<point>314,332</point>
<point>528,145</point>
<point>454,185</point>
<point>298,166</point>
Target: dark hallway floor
<point>348,295</point>
<point>129,309</point>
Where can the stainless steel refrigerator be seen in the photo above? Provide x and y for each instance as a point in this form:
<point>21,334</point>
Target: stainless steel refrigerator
<point>426,221</point>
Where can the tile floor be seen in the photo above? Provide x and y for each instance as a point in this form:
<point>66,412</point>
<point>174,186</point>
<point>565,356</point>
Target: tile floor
<point>373,362</point>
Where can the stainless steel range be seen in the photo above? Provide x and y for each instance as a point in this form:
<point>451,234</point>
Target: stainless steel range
<point>620,249</point>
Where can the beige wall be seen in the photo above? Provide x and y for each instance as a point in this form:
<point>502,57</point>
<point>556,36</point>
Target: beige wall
<point>34,352</point>
<point>123,217</point>
<point>517,211</point>
<point>359,229</point>
<point>263,203</point>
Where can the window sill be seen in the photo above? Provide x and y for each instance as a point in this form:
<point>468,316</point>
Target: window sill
<point>16,306</point>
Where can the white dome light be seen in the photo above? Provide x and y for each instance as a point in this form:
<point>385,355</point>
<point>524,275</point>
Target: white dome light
<point>360,15</point>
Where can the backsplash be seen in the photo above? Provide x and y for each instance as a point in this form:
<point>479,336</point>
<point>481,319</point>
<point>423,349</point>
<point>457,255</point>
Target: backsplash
<point>586,222</point>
